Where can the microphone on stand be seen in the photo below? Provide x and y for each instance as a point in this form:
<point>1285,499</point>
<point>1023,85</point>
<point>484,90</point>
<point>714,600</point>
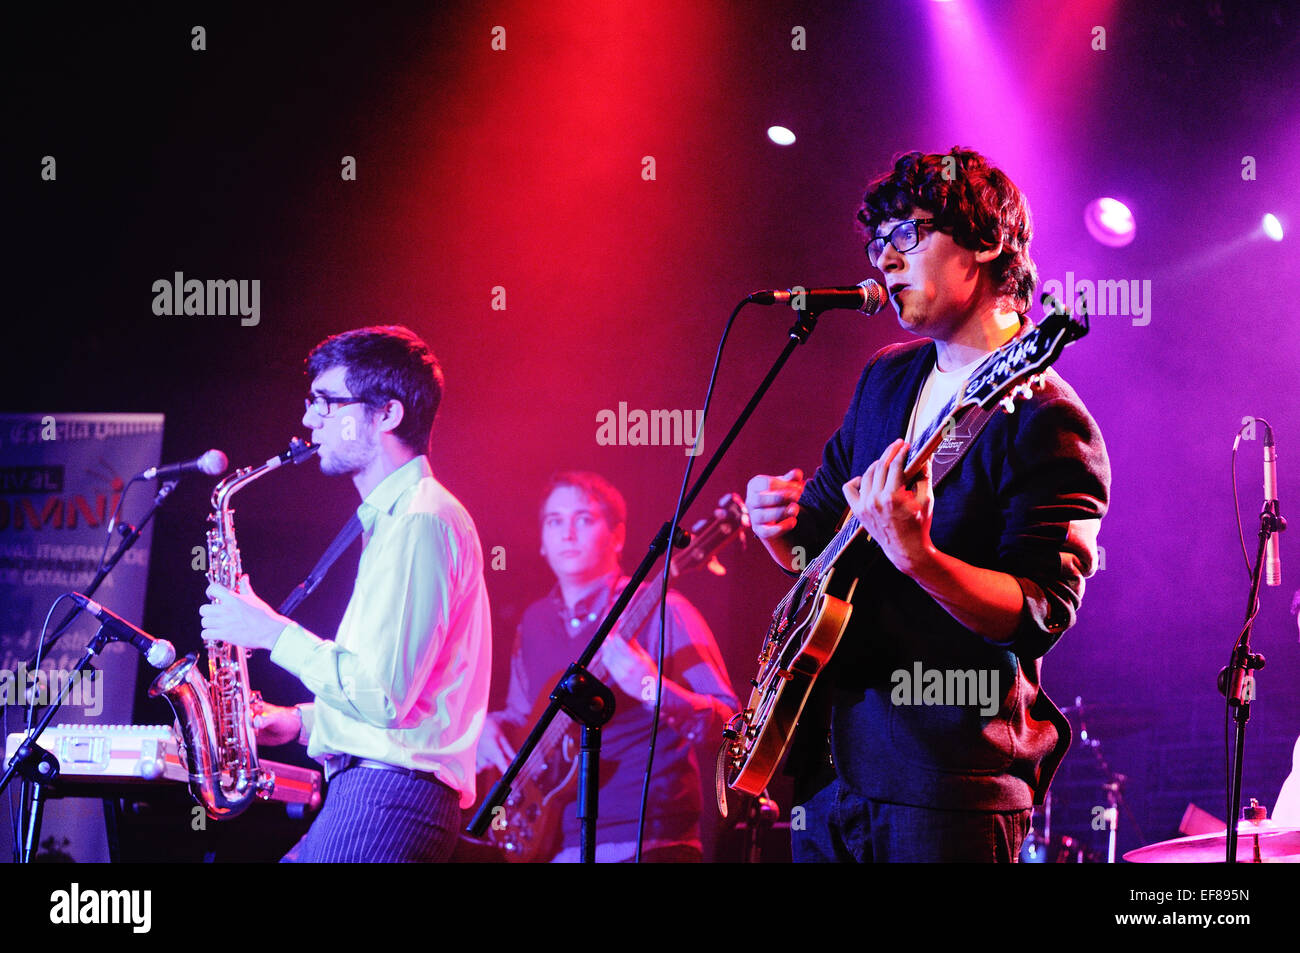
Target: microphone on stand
<point>157,652</point>
<point>213,463</point>
<point>866,296</point>
<point>1272,553</point>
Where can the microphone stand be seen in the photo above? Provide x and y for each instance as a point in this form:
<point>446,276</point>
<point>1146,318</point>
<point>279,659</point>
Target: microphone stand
<point>1236,682</point>
<point>30,798</point>
<point>590,701</point>
<point>38,766</point>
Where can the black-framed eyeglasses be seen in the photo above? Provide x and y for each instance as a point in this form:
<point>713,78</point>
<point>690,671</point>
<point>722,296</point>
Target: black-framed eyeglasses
<point>324,406</point>
<point>904,236</point>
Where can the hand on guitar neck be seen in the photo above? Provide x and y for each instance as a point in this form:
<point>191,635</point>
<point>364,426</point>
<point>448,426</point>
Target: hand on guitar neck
<point>895,514</point>
<point>631,668</point>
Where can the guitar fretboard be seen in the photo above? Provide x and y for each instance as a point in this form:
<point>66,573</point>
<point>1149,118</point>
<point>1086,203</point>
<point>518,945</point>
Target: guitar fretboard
<point>935,425</point>
<point>818,566</point>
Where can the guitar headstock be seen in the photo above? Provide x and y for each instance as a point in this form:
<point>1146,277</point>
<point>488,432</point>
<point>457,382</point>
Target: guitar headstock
<point>1016,369</point>
<point>710,534</point>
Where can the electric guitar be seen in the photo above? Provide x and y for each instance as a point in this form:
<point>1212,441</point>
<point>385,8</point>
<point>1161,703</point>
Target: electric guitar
<point>528,829</point>
<point>808,623</point>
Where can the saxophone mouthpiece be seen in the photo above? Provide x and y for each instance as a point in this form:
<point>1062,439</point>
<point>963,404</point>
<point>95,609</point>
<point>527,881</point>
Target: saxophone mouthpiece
<point>300,450</point>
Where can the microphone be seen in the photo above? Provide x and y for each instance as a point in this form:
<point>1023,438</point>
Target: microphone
<point>157,652</point>
<point>866,296</point>
<point>213,463</point>
<point>1272,555</point>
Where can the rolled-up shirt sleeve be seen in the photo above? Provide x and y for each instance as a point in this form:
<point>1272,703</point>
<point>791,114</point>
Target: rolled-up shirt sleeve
<point>1054,492</point>
<point>407,612</point>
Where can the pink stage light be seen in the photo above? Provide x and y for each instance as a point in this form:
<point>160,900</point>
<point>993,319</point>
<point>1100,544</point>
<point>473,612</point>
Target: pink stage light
<point>980,100</point>
<point>1272,227</point>
<point>1110,222</point>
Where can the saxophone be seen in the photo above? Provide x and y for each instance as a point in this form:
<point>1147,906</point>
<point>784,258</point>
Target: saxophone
<point>215,713</point>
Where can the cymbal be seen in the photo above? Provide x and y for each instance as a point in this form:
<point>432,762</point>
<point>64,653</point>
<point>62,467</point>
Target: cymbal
<point>1257,842</point>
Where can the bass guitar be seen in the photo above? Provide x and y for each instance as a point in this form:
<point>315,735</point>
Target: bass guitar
<point>527,830</point>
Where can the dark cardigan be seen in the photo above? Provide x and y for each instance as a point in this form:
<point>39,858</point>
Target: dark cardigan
<point>1007,505</point>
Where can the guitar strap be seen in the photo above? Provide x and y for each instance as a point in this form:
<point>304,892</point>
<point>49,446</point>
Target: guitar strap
<point>956,443</point>
<point>350,531</point>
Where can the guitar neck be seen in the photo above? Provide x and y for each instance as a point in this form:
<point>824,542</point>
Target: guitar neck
<point>634,616</point>
<point>924,447</point>
<point>645,602</point>
<point>928,440</point>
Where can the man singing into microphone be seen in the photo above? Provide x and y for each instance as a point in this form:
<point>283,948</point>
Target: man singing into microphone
<point>402,690</point>
<point>981,576</point>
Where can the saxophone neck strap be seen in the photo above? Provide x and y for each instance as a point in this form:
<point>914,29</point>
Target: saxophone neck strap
<point>350,531</point>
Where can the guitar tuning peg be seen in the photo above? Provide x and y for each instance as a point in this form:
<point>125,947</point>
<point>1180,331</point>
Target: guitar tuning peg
<point>1008,404</point>
<point>1023,391</point>
<point>1038,382</point>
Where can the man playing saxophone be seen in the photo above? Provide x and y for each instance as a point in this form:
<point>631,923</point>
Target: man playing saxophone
<point>401,692</point>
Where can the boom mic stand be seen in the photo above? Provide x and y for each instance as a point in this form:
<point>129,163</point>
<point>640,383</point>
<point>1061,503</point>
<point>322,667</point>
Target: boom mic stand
<point>577,675</point>
<point>1236,681</point>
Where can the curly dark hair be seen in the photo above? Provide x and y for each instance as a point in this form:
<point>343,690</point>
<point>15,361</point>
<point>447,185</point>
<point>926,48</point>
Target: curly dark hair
<point>382,363</point>
<point>975,203</point>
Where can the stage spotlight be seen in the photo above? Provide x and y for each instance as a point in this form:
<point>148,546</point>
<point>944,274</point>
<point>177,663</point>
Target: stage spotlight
<point>780,135</point>
<point>1110,222</point>
<point>1272,227</point>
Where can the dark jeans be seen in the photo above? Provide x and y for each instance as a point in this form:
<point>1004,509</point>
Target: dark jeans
<point>837,826</point>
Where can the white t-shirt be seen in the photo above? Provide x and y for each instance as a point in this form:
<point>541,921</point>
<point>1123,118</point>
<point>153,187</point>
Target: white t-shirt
<point>937,390</point>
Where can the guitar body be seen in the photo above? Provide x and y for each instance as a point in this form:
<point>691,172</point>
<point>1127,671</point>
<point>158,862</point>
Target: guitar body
<point>799,643</point>
<point>528,829</point>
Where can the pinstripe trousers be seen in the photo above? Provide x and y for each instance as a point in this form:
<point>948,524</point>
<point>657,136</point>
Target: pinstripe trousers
<point>373,816</point>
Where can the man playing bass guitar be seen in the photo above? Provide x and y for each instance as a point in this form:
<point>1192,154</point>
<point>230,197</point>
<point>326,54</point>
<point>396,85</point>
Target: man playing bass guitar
<point>979,576</point>
<point>583,524</point>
